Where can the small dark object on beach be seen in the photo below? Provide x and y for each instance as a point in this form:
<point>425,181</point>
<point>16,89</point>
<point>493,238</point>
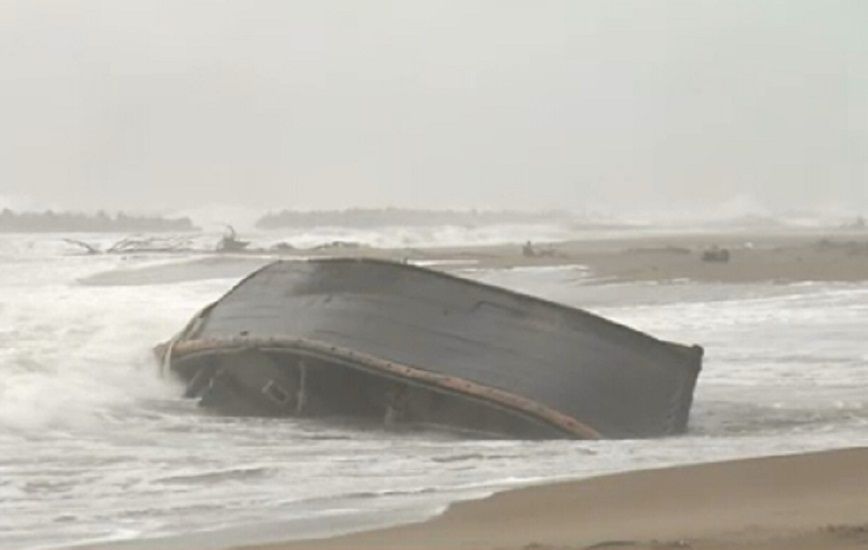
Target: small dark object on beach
<point>716,254</point>
<point>230,242</point>
<point>529,251</point>
<point>90,248</point>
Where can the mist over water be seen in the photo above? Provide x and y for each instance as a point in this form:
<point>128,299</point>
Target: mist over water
<point>95,446</point>
<point>629,105</point>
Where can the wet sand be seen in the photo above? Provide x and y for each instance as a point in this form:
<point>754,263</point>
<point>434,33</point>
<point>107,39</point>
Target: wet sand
<point>811,501</point>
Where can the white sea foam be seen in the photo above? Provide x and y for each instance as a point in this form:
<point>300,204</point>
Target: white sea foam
<point>443,235</point>
<point>94,446</point>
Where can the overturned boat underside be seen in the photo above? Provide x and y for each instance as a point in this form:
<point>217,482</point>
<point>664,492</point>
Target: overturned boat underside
<point>405,346</point>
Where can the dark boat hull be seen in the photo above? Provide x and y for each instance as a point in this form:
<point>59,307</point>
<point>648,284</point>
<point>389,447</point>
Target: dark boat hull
<point>405,345</point>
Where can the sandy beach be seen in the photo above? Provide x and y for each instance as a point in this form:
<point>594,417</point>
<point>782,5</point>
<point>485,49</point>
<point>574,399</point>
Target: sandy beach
<point>754,256</point>
<point>813,501</point>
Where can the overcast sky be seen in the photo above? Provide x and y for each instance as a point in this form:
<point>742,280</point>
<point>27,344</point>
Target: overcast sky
<point>533,104</point>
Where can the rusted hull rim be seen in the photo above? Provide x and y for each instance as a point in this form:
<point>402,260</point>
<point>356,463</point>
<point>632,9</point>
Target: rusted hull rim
<point>179,349</point>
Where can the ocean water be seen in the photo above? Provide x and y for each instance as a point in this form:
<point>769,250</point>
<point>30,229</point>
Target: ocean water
<point>96,448</point>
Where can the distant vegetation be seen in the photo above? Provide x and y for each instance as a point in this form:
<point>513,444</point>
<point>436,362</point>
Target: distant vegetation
<point>379,217</point>
<point>101,222</point>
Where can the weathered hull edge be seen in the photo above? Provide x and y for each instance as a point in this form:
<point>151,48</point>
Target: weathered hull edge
<point>571,427</point>
<point>190,331</point>
<point>684,395</point>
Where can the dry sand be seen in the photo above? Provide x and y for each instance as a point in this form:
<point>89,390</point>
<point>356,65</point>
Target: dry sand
<point>812,501</point>
<point>754,257</point>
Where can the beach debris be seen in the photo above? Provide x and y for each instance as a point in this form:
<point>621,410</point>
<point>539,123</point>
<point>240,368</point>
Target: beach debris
<point>230,241</point>
<point>89,248</point>
<point>406,347</point>
<point>716,254</point>
<point>857,532</point>
<point>528,250</point>
<point>137,244</point>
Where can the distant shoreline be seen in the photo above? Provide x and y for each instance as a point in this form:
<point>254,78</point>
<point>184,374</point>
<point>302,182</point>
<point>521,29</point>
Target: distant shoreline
<point>101,222</point>
<point>752,257</point>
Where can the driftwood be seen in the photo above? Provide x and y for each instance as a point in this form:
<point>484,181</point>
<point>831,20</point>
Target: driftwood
<point>91,249</point>
<point>230,241</point>
<point>716,254</point>
<point>134,244</point>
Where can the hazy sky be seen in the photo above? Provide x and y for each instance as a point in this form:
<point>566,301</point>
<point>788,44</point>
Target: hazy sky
<point>533,104</point>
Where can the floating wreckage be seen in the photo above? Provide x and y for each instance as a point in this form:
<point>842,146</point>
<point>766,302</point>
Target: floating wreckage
<point>407,346</point>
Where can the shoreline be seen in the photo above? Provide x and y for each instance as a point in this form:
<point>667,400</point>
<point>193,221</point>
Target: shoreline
<point>815,500</point>
<point>754,257</point>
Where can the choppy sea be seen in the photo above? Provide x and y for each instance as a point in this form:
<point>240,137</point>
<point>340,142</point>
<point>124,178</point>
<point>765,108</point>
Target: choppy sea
<point>96,448</point>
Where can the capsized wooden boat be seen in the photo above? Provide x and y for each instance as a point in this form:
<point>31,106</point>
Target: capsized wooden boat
<point>406,346</point>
